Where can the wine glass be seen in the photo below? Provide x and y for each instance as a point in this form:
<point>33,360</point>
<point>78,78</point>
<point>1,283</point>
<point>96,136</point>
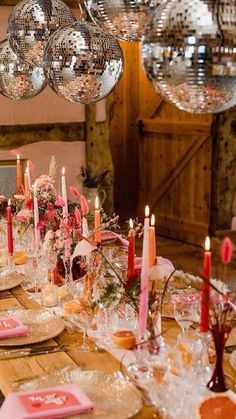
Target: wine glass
<point>185,310</point>
<point>82,319</point>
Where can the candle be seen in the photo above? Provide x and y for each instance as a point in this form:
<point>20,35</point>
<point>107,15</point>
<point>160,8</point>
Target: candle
<point>36,221</point>
<point>64,193</point>
<point>97,222</point>
<point>131,253</point>
<point>143,301</point>
<point>49,295</point>
<point>18,175</point>
<point>152,242</point>
<point>205,300</point>
<point>28,171</point>
<point>26,183</point>
<point>9,229</point>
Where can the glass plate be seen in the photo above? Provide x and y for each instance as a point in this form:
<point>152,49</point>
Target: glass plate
<point>42,325</point>
<point>10,281</point>
<point>114,397</point>
<point>233,359</point>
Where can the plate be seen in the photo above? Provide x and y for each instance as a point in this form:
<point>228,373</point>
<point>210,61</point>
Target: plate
<point>114,397</point>
<point>42,325</point>
<point>233,359</point>
<point>10,281</point>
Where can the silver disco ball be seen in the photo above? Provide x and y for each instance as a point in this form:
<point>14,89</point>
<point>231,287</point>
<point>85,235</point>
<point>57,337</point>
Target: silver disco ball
<point>189,54</point>
<point>18,80</point>
<point>124,19</point>
<point>31,24</point>
<point>82,63</point>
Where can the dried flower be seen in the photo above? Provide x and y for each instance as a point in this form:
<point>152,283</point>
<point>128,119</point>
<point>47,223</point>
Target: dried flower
<point>89,180</point>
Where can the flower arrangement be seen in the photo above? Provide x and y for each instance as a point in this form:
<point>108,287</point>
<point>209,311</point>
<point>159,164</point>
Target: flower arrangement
<point>89,180</point>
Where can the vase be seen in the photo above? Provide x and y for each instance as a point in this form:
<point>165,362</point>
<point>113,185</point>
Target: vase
<point>90,195</point>
<point>220,334</point>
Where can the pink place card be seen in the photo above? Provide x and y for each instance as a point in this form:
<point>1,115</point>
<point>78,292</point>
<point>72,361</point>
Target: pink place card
<point>12,327</point>
<point>50,403</point>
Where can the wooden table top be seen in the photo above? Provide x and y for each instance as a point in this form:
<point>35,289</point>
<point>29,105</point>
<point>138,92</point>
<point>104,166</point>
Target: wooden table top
<point>27,368</point>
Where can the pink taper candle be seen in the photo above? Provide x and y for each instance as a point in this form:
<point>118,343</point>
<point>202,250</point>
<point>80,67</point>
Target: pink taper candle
<point>143,301</point>
<point>205,302</point>
<point>18,175</point>
<point>36,221</point>
<point>64,193</point>
<point>9,230</point>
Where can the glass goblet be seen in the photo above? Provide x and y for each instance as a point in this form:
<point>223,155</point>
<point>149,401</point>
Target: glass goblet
<point>82,320</point>
<point>185,310</point>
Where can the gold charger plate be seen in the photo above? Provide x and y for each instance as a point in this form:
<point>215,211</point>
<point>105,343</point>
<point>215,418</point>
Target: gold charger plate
<point>113,397</point>
<point>9,281</point>
<point>42,325</point>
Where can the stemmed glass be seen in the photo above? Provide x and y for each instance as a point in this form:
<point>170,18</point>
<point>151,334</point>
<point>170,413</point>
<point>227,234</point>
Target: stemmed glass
<point>83,319</point>
<point>185,310</point>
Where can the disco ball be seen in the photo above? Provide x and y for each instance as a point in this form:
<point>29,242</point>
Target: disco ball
<point>82,63</point>
<point>124,19</point>
<point>18,80</point>
<point>31,24</point>
<point>189,54</point>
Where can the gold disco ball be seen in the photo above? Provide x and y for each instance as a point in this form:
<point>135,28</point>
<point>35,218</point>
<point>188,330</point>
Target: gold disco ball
<point>82,63</point>
<point>124,19</point>
<point>18,79</point>
<point>189,55</point>
<point>31,24</point>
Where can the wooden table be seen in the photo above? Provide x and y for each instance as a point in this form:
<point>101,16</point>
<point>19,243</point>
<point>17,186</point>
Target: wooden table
<point>27,368</point>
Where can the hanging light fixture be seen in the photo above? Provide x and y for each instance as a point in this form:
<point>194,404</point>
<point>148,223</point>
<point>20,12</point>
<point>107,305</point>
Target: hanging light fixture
<point>82,63</point>
<point>189,54</point>
<point>31,24</point>
<point>124,19</point>
<point>18,80</point>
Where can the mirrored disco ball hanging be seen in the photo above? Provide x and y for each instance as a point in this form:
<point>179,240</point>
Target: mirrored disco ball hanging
<point>124,19</point>
<point>31,24</point>
<point>82,63</point>
<point>189,54</point>
<point>18,80</point>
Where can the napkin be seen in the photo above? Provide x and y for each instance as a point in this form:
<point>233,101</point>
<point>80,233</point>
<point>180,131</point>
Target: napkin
<point>107,236</point>
<point>11,327</point>
<point>51,403</point>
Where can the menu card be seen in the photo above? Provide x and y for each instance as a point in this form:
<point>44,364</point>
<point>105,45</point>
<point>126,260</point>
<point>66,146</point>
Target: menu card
<point>11,327</point>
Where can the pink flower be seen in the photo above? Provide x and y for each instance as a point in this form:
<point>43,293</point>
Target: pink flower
<point>226,250</point>
<point>60,201</point>
<point>77,216</point>
<point>74,191</point>
<point>84,205</point>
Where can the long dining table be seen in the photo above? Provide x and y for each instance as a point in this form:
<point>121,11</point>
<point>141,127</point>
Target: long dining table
<point>25,368</point>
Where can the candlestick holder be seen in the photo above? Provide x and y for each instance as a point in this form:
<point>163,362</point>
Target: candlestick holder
<point>139,369</point>
<point>10,268</point>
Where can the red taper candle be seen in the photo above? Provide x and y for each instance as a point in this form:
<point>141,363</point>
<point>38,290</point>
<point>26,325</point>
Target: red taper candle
<point>9,229</point>
<point>131,253</point>
<point>205,300</point>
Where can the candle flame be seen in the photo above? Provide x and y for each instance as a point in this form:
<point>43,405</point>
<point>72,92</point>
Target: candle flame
<point>18,157</point>
<point>63,171</point>
<point>96,203</point>
<point>9,202</point>
<point>207,244</point>
<point>131,224</point>
<point>147,211</point>
<point>27,170</point>
<point>152,220</point>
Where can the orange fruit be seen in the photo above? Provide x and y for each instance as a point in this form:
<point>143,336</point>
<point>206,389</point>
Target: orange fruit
<point>20,257</point>
<point>124,339</point>
<point>219,406</point>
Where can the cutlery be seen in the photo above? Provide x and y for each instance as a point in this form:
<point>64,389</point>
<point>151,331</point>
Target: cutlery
<point>17,353</point>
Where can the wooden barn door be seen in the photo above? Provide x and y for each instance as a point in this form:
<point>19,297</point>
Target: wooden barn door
<point>174,166</point>
<point>161,156</point>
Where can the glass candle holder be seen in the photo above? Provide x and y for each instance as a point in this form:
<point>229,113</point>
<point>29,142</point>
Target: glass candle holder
<point>49,295</point>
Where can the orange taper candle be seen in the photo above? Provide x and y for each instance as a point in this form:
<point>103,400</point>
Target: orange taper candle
<point>97,222</point>
<point>152,242</point>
